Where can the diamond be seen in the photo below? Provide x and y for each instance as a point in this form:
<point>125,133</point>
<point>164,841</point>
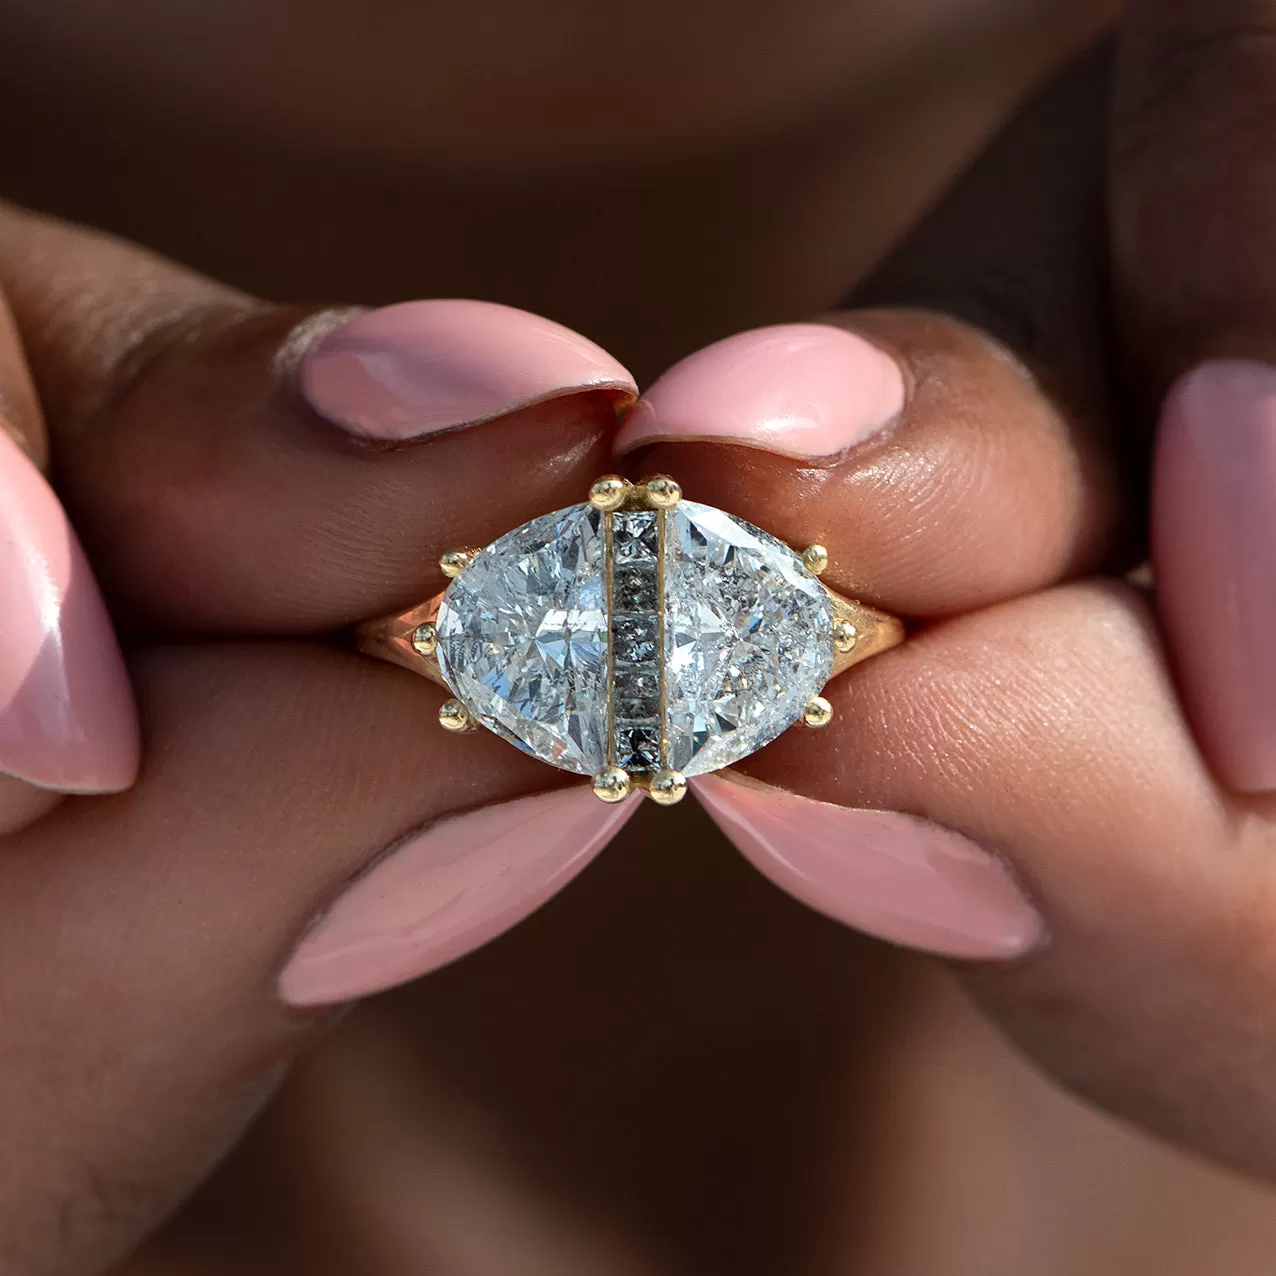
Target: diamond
<point>635,639</point>
<point>748,638</point>
<point>634,537</point>
<point>637,695</point>
<point>635,588</point>
<point>522,636</point>
<point>638,748</point>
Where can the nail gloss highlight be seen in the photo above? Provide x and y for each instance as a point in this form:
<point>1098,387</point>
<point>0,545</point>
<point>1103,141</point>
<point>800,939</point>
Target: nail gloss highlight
<point>67,719</point>
<point>1214,559</point>
<point>804,390</point>
<point>447,890</point>
<point>412,370</point>
<point>895,876</point>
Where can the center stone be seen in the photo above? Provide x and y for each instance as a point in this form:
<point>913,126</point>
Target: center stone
<point>647,639</point>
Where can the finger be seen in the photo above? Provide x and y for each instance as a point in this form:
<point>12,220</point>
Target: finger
<point>947,465</point>
<point>67,722</point>
<point>234,466</point>
<point>1045,768</point>
<point>141,936</point>
<point>1194,195</point>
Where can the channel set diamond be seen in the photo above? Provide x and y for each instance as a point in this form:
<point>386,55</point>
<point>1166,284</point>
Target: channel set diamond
<point>593,640</point>
<point>635,641</point>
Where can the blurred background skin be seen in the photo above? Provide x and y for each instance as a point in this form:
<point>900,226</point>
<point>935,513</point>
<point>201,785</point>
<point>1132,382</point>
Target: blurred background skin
<point>671,1069</point>
<point>655,174</point>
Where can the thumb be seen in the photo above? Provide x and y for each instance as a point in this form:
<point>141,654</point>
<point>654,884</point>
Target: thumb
<point>244,467</point>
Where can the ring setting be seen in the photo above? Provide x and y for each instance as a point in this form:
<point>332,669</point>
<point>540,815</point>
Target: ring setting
<point>637,638</point>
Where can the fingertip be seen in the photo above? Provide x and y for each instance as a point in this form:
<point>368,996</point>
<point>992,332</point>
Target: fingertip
<point>68,721</point>
<point>806,391</point>
<point>419,368</point>
<point>1214,557</point>
<point>448,889</point>
<point>892,875</point>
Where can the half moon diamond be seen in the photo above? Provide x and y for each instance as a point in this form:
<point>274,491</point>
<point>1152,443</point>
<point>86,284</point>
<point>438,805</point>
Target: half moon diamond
<point>748,638</point>
<point>679,639</point>
<point>523,638</point>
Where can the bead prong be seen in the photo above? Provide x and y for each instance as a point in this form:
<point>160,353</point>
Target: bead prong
<point>455,561</point>
<point>815,558</point>
<point>662,492</point>
<point>612,784</point>
<point>845,636</point>
<point>425,639</point>
<point>454,716</point>
<point>818,712</point>
<point>667,787</point>
<point>609,493</point>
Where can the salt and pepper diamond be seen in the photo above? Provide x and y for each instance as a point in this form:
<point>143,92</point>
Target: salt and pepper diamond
<point>635,641</point>
<point>639,638</point>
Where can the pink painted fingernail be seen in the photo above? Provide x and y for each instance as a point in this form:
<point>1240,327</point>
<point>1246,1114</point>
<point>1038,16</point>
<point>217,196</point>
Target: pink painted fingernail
<point>803,390</point>
<point>895,876</point>
<point>67,719</point>
<point>447,890</point>
<point>424,366</point>
<point>1214,559</point>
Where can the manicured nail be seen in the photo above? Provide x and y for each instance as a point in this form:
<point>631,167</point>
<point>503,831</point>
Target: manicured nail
<point>447,890</point>
<point>1214,559</point>
<point>67,719</point>
<point>895,876</point>
<point>803,390</point>
<point>424,366</point>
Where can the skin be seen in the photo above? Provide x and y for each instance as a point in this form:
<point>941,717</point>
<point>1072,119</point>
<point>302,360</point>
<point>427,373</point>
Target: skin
<point>621,1090</point>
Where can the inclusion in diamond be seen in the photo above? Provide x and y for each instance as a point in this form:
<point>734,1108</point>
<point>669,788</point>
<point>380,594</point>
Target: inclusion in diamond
<point>522,638</point>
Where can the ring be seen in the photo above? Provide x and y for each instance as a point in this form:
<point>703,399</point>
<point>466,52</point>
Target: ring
<point>637,638</point>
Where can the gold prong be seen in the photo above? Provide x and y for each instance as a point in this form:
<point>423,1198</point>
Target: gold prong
<point>845,636</point>
<point>612,784</point>
<point>667,787</point>
<point>454,716</point>
<point>662,492</point>
<point>815,558</point>
<point>425,639</point>
<point>455,561</point>
<point>609,492</point>
<point>818,712</point>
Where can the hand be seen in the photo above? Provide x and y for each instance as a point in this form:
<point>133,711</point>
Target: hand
<point>215,862</point>
<point>233,528</point>
<point>1118,753</point>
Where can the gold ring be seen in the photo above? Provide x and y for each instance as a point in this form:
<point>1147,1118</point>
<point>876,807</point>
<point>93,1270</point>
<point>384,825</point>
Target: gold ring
<point>637,638</point>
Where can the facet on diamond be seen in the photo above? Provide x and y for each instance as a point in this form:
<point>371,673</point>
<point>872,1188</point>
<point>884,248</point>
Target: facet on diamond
<point>747,637</point>
<point>522,638</point>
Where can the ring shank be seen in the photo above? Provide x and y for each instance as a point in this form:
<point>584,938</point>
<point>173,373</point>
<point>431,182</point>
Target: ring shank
<point>390,638</point>
<point>875,632</point>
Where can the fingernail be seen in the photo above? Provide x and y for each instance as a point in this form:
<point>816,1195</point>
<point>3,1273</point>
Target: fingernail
<point>415,369</point>
<point>1214,559</point>
<point>67,719</point>
<point>804,390</point>
<point>895,876</point>
<point>447,890</point>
